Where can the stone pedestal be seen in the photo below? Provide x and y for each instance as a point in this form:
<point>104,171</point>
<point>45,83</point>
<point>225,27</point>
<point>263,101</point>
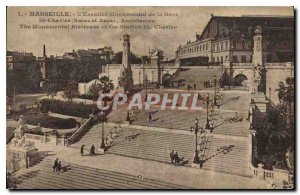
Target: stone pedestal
<point>20,154</point>
<point>260,171</point>
<point>101,151</point>
<point>21,129</point>
<point>260,102</point>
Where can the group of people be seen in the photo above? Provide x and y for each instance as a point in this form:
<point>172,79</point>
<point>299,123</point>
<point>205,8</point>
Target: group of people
<point>57,167</point>
<point>92,150</point>
<point>189,87</point>
<point>174,158</point>
<point>207,84</point>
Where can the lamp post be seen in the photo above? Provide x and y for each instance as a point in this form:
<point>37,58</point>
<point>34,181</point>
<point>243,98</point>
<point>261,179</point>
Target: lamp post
<point>212,118</point>
<point>146,79</point>
<point>127,117</point>
<point>140,78</point>
<point>152,76</point>
<point>207,104</point>
<point>215,98</point>
<point>196,129</point>
<point>218,98</point>
<point>102,120</point>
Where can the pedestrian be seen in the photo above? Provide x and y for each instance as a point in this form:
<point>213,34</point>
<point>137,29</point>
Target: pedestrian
<point>176,158</point>
<point>82,150</point>
<point>92,151</point>
<point>55,165</point>
<point>59,167</point>
<point>150,117</point>
<point>172,156</point>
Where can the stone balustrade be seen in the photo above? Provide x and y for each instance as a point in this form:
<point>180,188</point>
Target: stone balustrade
<point>275,175</point>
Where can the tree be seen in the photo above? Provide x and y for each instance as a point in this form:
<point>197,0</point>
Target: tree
<point>286,98</point>
<point>71,91</point>
<point>95,90</point>
<point>16,81</point>
<point>125,80</point>
<point>107,84</point>
<point>134,59</point>
<point>50,89</point>
<point>34,76</point>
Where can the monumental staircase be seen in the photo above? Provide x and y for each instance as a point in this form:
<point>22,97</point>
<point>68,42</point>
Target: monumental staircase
<point>221,154</point>
<point>76,176</point>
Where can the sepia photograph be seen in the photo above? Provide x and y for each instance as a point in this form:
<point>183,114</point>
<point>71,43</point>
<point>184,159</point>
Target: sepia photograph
<point>150,98</point>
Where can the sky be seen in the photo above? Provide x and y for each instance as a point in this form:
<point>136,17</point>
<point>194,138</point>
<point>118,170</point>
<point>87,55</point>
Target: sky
<point>190,20</point>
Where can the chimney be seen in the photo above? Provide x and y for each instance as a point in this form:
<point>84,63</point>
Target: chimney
<point>44,50</point>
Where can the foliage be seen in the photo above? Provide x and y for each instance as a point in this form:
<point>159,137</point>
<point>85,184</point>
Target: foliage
<point>286,93</point>
<point>286,96</point>
<point>107,84</point>
<point>34,76</point>
<point>50,88</point>
<point>125,80</point>
<point>15,81</point>
<point>51,122</point>
<point>159,53</point>
<point>95,90</point>
<point>71,91</point>
<point>274,136</point>
<point>134,59</point>
<point>66,108</point>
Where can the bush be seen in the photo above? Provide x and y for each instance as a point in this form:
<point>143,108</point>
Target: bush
<point>51,122</point>
<point>66,108</point>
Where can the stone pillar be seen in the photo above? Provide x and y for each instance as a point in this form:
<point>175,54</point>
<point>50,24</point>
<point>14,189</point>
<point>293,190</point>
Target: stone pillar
<point>126,52</point>
<point>251,112</point>
<point>260,102</point>
<point>252,146</point>
<point>260,171</point>
<point>257,58</point>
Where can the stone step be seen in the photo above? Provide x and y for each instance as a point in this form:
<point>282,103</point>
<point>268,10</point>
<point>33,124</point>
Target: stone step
<point>90,178</point>
<point>117,176</point>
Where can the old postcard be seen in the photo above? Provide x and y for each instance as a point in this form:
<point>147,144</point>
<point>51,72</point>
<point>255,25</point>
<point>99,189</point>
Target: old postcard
<point>150,98</point>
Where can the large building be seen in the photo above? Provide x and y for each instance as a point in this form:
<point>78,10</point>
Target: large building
<point>230,39</point>
<point>16,60</point>
<point>68,60</point>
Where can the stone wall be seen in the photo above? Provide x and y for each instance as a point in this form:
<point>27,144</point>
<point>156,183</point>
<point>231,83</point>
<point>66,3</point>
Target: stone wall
<point>139,72</point>
<point>277,72</point>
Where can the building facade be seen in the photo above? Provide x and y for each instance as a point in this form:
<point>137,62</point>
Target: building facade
<point>230,39</point>
<point>16,60</point>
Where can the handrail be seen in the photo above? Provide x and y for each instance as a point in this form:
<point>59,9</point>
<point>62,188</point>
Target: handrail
<point>78,131</point>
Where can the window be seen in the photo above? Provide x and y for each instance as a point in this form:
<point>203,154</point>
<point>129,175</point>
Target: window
<point>243,59</point>
<point>234,59</point>
<point>217,59</point>
<point>226,45</point>
<point>213,46</point>
<point>221,46</point>
<point>243,45</point>
<point>206,46</point>
<point>222,59</point>
<point>213,59</point>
